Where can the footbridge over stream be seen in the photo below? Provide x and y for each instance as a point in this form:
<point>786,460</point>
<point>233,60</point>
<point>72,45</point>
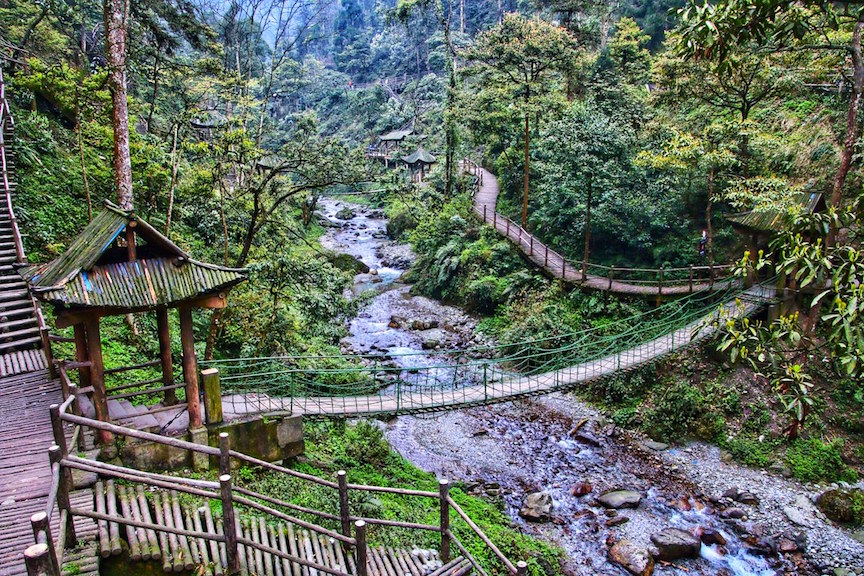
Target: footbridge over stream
<point>637,282</point>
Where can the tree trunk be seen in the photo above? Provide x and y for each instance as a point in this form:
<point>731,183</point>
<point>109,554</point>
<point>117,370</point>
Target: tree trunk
<point>525,174</point>
<point>587,253</point>
<point>851,120</point>
<point>708,224</point>
<point>83,165</point>
<point>155,88</point>
<point>175,161</point>
<point>115,51</point>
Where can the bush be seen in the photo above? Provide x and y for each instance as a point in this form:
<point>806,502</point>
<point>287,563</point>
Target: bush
<point>812,460</point>
<point>748,450</point>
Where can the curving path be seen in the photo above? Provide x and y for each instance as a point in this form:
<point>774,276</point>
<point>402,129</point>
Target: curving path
<point>696,278</point>
<point>489,383</point>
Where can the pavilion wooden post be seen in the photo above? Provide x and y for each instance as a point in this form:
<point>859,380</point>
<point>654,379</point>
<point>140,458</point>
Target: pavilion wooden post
<point>190,367</point>
<point>212,395</point>
<point>164,332</point>
<point>81,354</point>
<point>97,376</point>
<point>444,526</point>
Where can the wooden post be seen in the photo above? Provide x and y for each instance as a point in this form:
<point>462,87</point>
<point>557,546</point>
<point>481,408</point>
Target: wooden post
<point>484,212</point>
<point>212,395</point>
<point>63,488</point>
<point>344,510</point>
<point>495,219</point>
<point>611,276</point>
<point>691,278</point>
<point>81,354</point>
<point>97,377</point>
<point>164,332</point>
<point>710,276</point>
<point>360,552</point>
<point>229,525</point>
<point>546,257</point>
<point>521,568</point>
<point>224,454</point>
<point>57,429</point>
<point>39,523</point>
<point>190,368</point>
<point>531,239</point>
<point>45,334</point>
<point>444,491</point>
<point>38,561</point>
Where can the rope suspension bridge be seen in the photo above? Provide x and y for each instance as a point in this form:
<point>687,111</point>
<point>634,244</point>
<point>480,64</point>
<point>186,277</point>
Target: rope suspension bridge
<point>415,382</point>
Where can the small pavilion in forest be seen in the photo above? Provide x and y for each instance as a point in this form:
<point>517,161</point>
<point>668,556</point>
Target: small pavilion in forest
<point>120,265</point>
<point>760,225</point>
<point>418,163</point>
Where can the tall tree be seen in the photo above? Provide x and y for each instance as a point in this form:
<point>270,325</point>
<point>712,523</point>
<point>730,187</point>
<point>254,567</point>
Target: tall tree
<point>713,30</point>
<point>523,54</point>
<point>116,35</point>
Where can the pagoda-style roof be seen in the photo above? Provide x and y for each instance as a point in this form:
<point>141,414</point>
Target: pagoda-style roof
<point>420,155</point>
<point>395,135</point>
<point>774,219</point>
<point>96,272</point>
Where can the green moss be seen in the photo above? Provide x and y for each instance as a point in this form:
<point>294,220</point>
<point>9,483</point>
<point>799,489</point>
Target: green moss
<point>748,449</point>
<point>812,460</point>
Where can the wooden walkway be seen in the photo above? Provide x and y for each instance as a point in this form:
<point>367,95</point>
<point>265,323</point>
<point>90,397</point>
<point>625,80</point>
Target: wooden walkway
<point>485,205</point>
<point>177,553</point>
<point>496,386</point>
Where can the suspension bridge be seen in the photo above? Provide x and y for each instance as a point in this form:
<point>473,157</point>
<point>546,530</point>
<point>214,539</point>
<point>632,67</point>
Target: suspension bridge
<point>641,282</point>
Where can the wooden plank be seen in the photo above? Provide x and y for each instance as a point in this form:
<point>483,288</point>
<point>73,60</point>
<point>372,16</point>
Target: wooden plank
<point>185,551</point>
<point>131,531</point>
<point>163,537</point>
<point>144,508</point>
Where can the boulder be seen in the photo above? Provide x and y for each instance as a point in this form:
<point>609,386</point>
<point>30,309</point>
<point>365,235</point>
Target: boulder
<point>675,543</point>
<point>345,214</point>
<point>620,499</point>
<point>656,446</point>
<point>347,263</point>
<point>843,505</point>
<point>536,507</point>
<point>634,558</point>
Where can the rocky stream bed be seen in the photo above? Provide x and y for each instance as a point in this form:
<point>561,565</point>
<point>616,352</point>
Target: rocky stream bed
<point>615,501</point>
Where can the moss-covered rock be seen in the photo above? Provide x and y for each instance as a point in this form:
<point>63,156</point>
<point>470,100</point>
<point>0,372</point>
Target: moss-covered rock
<point>348,263</point>
<point>843,505</point>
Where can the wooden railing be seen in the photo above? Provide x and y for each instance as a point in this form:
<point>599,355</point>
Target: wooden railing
<point>45,557</point>
<point>652,281</point>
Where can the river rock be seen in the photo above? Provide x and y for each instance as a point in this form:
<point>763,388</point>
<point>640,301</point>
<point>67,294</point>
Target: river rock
<point>620,499</point>
<point>741,496</point>
<point>345,214</point>
<point>710,536</point>
<point>840,505</point>
<point>655,446</point>
<point>536,507</point>
<point>581,489</point>
<point>634,558</point>
<point>674,543</point>
<point>796,516</point>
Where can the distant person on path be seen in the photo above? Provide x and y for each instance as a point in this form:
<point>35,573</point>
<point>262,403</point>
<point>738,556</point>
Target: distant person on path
<point>703,244</point>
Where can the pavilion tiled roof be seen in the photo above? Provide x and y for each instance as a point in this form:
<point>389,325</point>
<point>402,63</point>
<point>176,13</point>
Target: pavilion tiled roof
<point>90,274</point>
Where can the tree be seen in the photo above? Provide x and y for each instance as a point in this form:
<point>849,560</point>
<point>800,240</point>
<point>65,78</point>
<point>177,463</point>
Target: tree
<point>627,50</point>
<point>706,154</point>
<point>523,54</point>
<point>779,350</point>
<point>585,155</point>
<point>711,31</point>
<point>745,79</point>
<point>116,24</point>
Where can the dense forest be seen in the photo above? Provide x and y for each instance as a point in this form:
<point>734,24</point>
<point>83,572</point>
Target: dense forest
<point>627,134</point>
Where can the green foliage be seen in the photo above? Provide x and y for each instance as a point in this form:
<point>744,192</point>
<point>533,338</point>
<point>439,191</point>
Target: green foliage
<point>812,460</point>
<point>748,449</point>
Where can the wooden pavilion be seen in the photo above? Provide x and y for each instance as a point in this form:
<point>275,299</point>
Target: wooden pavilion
<point>760,225</point>
<point>418,163</point>
<point>119,265</point>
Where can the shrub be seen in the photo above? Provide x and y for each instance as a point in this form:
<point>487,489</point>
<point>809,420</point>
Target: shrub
<point>811,460</point>
<point>748,450</point>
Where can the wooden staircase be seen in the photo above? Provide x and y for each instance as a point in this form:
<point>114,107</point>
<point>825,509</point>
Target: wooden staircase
<point>20,331</point>
<point>178,553</point>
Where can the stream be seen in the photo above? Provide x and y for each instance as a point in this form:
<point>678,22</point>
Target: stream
<point>757,524</point>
